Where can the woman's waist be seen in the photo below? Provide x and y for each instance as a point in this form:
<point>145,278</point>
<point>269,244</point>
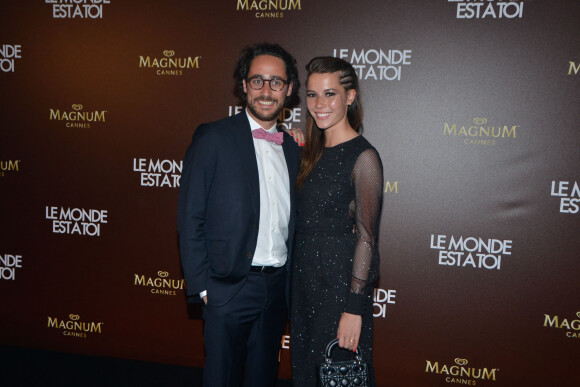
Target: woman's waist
<point>319,230</point>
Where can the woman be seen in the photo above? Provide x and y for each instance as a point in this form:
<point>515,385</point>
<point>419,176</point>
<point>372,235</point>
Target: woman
<point>338,201</point>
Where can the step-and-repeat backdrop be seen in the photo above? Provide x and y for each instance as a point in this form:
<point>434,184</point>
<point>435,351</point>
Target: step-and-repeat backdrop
<point>473,106</point>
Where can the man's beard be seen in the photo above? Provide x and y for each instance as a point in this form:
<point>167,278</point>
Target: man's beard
<point>270,117</point>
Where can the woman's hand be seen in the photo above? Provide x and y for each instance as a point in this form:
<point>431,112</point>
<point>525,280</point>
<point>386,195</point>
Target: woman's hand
<point>298,135</point>
<point>349,329</point>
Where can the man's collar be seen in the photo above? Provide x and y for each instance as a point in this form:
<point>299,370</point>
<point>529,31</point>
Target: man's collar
<point>254,125</point>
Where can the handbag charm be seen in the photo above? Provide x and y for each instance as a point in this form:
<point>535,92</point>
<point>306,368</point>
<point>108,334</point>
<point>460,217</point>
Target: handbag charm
<point>342,373</point>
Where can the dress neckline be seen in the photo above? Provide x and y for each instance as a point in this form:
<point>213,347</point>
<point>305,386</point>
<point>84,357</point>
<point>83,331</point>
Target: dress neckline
<point>342,143</point>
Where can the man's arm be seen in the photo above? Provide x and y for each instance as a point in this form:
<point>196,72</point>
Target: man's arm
<point>195,184</point>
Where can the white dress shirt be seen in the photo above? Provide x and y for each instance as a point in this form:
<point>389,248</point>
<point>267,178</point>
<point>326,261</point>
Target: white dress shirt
<point>271,247</point>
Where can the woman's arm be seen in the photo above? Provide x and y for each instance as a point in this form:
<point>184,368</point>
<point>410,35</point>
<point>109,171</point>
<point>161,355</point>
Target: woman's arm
<point>367,176</point>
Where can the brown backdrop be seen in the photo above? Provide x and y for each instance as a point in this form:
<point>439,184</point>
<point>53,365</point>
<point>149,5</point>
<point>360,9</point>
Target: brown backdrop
<point>473,107</point>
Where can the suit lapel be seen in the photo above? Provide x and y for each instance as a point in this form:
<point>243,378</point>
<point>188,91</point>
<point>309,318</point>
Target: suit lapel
<point>291,156</point>
<point>242,136</point>
<point>244,142</point>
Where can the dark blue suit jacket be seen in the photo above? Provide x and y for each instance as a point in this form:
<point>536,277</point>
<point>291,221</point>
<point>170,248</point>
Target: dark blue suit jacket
<point>219,207</point>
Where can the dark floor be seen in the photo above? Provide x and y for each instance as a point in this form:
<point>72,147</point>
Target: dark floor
<point>33,367</point>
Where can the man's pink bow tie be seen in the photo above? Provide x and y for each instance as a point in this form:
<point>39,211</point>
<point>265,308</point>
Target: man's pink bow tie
<point>277,138</point>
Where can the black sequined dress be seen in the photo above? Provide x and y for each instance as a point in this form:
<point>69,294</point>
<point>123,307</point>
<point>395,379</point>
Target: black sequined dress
<point>334,268</point>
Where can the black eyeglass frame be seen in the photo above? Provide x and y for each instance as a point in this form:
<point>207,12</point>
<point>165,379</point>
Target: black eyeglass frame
<point>250,83</point>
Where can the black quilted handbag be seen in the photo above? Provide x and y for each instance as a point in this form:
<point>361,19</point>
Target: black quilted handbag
<point>351,373</point>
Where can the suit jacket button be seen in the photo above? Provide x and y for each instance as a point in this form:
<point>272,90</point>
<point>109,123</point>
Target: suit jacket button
<point>250,255</point>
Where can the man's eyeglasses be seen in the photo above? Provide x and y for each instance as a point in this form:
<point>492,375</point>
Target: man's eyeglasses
<point>276,84</point>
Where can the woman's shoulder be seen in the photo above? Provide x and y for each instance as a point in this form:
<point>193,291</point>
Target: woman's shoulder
<point>366,153</point>
<point>362,144</point>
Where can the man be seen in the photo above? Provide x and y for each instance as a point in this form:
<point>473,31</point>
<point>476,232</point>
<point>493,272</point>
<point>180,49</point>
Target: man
<point>236,223</point>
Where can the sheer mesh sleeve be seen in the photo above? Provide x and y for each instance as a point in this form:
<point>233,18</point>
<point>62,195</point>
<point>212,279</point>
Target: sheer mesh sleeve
<point>367,176</point>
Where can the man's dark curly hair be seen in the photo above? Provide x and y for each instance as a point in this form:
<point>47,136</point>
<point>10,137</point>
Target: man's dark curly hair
<point>250,52</point>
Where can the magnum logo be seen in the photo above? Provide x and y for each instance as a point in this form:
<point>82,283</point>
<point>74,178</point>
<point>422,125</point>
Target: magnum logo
<point>161,284</point>
<point>572,326</point>
<point>77,118</point>
<point>574,68</point>
<point>74,327</point>
<point>273,9</point>
<point>460,373</point>
<point>480,133</point>
<point>9,166</point>
<point>168,64</point>
<point>392,187</point>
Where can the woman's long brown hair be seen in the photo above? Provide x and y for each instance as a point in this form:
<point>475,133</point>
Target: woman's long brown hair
<point>314,135</point>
